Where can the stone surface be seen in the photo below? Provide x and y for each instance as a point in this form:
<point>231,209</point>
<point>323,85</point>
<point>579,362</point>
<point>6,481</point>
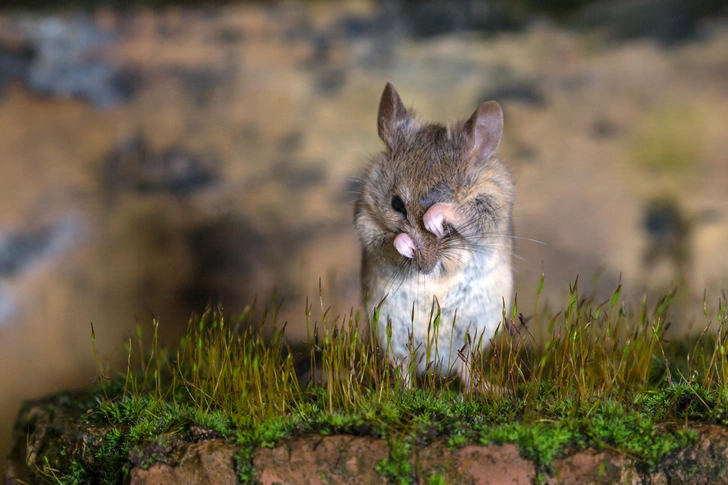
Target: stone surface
<point>589,467</point>
<point>322,460</point>
<point>477,465</point>
<point>494,465</point>
<point>704,462</point>
<point>204,463</point>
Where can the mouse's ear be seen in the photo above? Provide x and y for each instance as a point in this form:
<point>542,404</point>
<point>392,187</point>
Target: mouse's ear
<point>484,130</point>
<point>392,114</point>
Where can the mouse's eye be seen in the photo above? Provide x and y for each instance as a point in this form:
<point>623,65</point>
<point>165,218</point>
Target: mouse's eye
<point>398,205</point>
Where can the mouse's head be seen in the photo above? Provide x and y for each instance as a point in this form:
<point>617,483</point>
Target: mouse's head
<point>425,164</point>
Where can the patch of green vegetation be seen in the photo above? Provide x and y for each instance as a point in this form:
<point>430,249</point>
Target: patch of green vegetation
<point>398,467</point>
<point>76,475</point>
<point>244,458</point>
<point>594,375</point>
<point>436,479</point>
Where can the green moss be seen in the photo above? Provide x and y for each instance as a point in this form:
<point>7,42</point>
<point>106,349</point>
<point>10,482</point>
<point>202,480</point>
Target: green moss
<point>436,479</point>
<point>244,460</point>
<point>398,466</point>
<point>594,375</point>
<point>76,476</point>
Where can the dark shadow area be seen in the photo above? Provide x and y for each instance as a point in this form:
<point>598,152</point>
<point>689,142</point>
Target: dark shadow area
<point>666,20</point>
<point>133,165</point>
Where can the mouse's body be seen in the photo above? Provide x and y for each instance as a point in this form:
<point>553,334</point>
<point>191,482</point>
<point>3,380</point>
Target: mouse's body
<point>434,219</point>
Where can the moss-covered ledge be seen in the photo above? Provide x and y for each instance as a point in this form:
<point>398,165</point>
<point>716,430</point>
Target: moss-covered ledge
<point>54,444</point>
<point>602,398</point>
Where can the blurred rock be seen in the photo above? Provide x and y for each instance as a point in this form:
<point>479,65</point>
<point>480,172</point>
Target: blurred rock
<point>65,57</point>
<point>133,165</point>
<point>604,128</point>
<point>666,20</point>
<point>19,250</point>
<point>428,19</point>
<point>522,90</point>
<point>508,85</point>
<point>7,305</point>
<point>201,83</point>
<point>16,55</point>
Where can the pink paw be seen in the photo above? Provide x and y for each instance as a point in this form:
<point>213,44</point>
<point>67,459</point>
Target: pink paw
<point>404,245</point>
<point>436,217</point>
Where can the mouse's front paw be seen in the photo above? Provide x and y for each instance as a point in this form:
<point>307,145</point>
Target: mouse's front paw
<point>404,245</point>
<point>436,217</point>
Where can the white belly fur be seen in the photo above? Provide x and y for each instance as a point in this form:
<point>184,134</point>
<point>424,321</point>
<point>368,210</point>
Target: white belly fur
<point>476,293</point>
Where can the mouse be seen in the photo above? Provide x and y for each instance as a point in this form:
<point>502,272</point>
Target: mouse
<point>434,219</point>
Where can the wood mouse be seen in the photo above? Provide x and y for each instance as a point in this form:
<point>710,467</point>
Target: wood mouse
<point>434,218</point>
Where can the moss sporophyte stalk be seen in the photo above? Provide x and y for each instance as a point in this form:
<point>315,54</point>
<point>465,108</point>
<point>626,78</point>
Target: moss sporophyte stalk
<point>598,375</point>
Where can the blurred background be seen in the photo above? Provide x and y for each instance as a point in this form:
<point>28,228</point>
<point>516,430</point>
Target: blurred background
<point>157,157</point>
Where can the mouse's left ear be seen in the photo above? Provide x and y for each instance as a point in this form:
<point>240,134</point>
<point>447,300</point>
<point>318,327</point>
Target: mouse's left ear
<point>484,130</point>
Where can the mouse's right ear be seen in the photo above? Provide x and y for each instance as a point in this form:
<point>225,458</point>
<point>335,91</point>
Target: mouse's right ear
<point>392,114</point>
<point>484,129</point>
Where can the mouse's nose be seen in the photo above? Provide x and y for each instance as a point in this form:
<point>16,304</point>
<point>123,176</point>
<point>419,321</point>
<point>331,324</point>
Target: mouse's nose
<point>424,255</point>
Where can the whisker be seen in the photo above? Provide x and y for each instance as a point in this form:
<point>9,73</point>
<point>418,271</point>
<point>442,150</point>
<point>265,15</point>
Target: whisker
<point>399,271</point>
<point>479,248</point>
<point>520,238</point>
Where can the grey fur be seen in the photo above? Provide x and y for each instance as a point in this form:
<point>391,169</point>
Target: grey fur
<point>468,271</point>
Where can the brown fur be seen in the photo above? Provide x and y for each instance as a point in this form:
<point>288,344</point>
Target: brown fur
<point>426,164</point>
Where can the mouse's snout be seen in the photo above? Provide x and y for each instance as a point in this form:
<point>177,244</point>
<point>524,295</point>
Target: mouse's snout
<point>423,254</point>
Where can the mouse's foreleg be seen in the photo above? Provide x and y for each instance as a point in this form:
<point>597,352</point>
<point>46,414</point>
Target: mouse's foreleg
<point>438,217</point>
